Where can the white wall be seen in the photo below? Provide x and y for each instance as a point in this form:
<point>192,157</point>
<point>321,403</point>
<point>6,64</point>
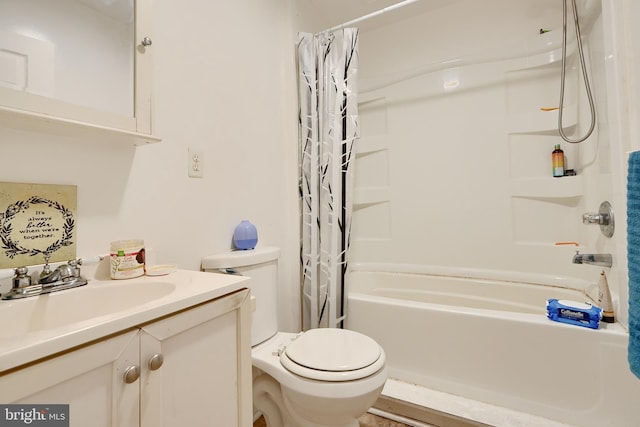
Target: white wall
<point>224,84</point>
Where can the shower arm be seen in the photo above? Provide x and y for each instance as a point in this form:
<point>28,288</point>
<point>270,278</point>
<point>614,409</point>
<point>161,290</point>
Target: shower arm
<point>584,74</point>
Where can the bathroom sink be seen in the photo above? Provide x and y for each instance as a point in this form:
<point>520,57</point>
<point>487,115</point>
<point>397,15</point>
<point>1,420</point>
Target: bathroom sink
<point>74,306</point>
<point>37,327</point>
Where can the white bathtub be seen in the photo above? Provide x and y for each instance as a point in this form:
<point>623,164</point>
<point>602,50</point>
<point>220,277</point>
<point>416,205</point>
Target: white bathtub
<point>490,341</point>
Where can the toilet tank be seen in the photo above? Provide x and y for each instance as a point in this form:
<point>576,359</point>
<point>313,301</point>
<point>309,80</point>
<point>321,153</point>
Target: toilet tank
<point>261,265</point>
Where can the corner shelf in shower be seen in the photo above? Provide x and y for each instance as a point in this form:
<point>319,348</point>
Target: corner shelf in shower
<point>372,144</point>
<point>367,196</point>
<point>548,187</point>
<point>542,122</point>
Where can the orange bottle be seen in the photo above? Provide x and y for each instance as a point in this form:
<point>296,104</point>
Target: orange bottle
<point>557,160</point>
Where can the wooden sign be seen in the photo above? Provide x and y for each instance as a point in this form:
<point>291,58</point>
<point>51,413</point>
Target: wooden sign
<point>37,223</point>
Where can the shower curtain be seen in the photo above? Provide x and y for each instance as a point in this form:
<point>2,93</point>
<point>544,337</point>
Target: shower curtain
<point>328,127</point>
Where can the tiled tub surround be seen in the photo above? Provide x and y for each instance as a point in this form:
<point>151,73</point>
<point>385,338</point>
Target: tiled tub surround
<point>475,348</point>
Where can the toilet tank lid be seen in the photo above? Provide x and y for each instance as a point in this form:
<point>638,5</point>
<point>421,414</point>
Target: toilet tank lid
<point>241,258</point>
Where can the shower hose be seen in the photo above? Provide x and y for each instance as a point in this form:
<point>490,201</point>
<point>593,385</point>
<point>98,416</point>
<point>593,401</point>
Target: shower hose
<point>584,73</point>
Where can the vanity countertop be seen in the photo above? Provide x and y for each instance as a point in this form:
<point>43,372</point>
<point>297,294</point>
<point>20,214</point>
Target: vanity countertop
<point>40,326</point>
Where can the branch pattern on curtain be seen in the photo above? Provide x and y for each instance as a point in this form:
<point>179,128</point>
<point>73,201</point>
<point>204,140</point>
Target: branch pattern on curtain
<point>328,128</point>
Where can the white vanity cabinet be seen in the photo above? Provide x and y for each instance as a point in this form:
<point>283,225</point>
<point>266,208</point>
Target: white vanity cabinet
<point>205,379</point>
<point>89,379</point>
<point>191,368</point>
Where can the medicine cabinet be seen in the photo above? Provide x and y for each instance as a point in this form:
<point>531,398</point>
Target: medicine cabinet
<point>80,68</point>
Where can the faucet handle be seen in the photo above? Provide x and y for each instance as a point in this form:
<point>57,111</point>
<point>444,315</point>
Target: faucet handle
<point>45,270</point>
<point>67,271</point>
<point>21,279</point>
<point>73,267</point>
<point>604,218</point>
<point>595,218</point>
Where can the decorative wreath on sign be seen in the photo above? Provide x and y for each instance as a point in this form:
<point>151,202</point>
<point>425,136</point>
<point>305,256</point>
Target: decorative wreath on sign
<point>12,248</point>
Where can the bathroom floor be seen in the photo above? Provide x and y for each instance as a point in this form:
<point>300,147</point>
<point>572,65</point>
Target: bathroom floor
<point>367,420</point>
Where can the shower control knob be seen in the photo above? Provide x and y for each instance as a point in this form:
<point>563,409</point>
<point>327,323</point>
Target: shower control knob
<point>604,218</point>
<point>594,218</point>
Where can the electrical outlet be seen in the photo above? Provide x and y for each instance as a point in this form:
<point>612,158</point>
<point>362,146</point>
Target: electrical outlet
<point>196,163</point>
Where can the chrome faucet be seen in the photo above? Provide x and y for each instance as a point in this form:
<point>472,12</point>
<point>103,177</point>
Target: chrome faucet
<point>66,276</point>
<point>602,260</point>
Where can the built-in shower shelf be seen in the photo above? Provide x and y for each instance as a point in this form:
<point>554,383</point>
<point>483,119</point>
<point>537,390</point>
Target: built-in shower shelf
<point>543,122</point>
<point>372,144</point>
<point>548,187</point>
<point>546,49</point>
<point>365,196</point>
<point>544,58</point>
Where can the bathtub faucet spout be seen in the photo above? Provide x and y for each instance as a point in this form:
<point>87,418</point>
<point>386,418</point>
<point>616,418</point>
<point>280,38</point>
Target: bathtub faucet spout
<point>602,260</point>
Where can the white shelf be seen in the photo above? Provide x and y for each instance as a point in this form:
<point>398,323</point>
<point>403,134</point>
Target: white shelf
<point>372,144</point>
<point>548,187</point>
<point>542,122</point>
<point>365,196</point>
<point>38,122</point>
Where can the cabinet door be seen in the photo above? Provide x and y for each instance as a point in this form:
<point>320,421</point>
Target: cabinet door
<point>87,72</point>
<point>89,379</point>
<point>205,379</point>
<point>143,76</point>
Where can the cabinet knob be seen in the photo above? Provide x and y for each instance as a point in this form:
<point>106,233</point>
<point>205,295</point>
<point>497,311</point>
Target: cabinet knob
<point>131,374</point>
<point>146,42</point>
<point>156,361</point>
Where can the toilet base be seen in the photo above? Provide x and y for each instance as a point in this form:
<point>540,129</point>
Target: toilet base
<point>277,409</point>
<point>289,400</point>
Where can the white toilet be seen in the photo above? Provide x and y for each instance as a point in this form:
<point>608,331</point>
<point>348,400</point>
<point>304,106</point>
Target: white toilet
<point>322,377</point>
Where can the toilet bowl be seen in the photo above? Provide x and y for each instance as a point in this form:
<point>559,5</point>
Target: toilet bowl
<point>321,377</point>
<point>319,391</point>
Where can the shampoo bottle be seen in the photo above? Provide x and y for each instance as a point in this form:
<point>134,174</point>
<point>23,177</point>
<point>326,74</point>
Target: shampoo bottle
<point>557,161</point>
<point>604,299</point>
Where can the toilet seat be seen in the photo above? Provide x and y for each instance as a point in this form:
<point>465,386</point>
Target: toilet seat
<point>328,354</point>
